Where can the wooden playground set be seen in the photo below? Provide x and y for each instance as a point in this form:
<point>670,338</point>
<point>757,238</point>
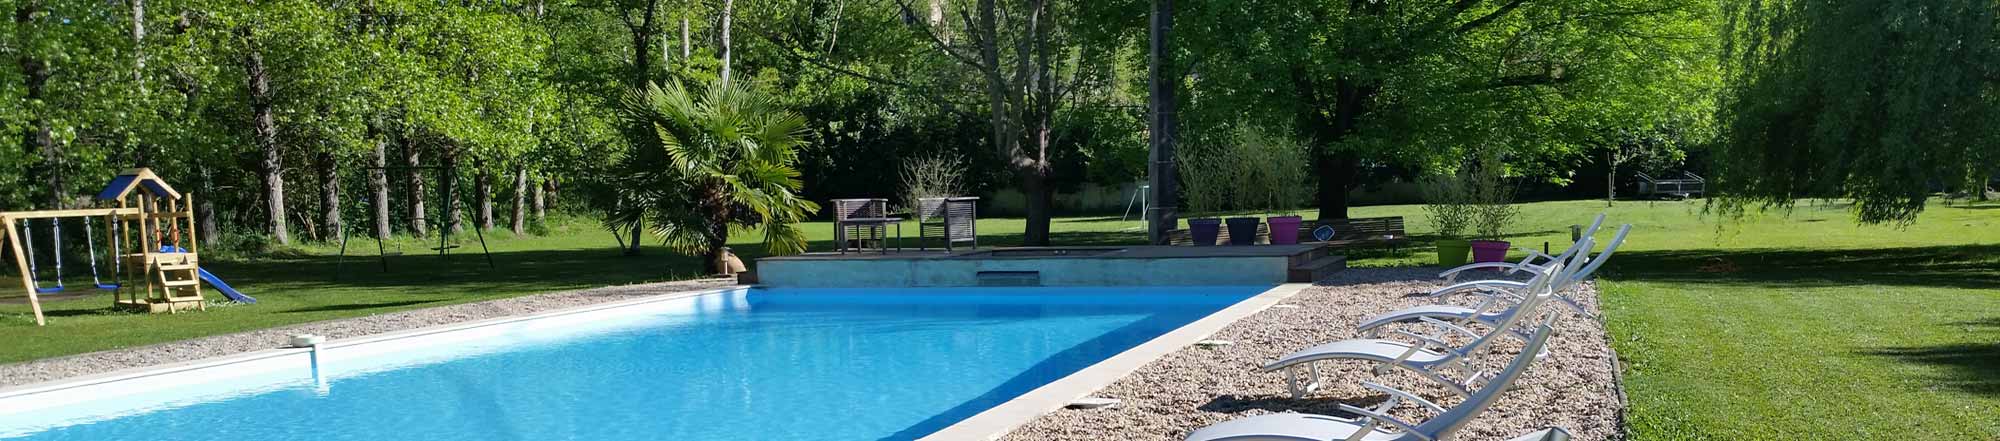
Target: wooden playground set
<point>148,234</point>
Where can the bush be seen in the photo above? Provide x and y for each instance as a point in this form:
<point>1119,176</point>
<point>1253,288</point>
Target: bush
<point>1492,198</point>
<point>1253,170</point>
<point>932,177</point>
<point>1448,204</point>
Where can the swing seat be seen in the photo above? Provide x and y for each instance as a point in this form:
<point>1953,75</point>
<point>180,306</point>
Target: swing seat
<point>48,290</point>
<point>108,286</point>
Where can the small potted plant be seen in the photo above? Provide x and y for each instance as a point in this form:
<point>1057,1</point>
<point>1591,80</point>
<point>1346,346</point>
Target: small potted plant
<point>1492,211</point>
<point>1450,211</point>
<point>1206,188</point>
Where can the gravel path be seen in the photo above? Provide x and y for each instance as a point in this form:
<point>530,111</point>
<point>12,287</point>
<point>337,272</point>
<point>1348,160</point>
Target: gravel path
<point>215,346</point>
<point>1194,387</point>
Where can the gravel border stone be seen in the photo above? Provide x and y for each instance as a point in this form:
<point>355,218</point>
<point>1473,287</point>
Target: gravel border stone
<point>50,369</point>
<point>1576,388</point>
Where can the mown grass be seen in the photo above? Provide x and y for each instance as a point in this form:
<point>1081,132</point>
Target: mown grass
<point>1802,326</point>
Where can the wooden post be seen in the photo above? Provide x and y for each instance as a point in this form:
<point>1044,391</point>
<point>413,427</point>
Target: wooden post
<point>187,212</point>
<point>21,263</point>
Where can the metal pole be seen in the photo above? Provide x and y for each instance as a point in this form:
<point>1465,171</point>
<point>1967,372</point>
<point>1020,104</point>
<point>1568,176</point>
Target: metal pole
<point>1161,133</point>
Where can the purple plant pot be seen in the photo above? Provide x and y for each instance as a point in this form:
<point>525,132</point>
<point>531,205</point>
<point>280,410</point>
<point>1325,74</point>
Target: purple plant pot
<point>1204,231</point>
<point>1489,251</point>
<point>1284,229</point>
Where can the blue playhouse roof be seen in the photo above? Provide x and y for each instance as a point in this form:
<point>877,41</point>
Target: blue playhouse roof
<point>123,184</point>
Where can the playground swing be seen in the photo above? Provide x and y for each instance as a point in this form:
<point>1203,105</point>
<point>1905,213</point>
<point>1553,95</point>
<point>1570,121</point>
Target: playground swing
<point>34,271</point>
<point>55,233</point>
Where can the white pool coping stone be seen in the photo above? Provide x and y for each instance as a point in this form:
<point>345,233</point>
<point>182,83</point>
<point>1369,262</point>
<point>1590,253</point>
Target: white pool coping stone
<point>999,420</point>
<point>10,393</point>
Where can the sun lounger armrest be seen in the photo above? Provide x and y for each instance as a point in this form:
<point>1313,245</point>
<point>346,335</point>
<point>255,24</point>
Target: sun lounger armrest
<point>1424,339</point>
<point>1378,417</point>
<point>1448,326</point>
<point>1484,288</point>
<point>1404,396</point>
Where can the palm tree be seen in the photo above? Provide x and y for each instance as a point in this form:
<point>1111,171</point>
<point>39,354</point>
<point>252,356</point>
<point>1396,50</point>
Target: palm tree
<point>704,165</point>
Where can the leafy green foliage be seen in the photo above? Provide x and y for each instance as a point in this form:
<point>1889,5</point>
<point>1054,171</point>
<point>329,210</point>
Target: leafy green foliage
<point>730,157</point>
<point>1874,101</point>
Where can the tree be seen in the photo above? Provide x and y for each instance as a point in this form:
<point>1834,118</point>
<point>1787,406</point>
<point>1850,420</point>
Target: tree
<point>1383,85</point>
<point>1874,101</point>
<point>732,152</point>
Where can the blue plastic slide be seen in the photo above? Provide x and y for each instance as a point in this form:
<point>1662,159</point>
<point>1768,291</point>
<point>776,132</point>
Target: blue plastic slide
<point>214,281</point>
<point>224,287</point>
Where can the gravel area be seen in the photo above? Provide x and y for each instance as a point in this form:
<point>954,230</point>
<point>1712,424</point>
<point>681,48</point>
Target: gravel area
<point>1576,389</point>
<point>215,346</point>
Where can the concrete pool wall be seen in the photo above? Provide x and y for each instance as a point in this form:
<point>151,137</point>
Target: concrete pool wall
<point>1114,266</point>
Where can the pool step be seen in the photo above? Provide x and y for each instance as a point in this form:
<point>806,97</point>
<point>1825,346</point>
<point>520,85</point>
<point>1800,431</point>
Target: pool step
<point>1320,268</point>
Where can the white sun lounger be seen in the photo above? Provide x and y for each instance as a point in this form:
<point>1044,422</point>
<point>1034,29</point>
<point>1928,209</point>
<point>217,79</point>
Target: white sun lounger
<point>1500,292</point>
<point>1528,263</point>
<point>1376,424</point>
<point>1430,356</point>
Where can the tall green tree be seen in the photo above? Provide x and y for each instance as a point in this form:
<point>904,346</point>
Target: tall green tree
<point>733,153</point>
<point>1876,101</point>
<point>1379,85</point>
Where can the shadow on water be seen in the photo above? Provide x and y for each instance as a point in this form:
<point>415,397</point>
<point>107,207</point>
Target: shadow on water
<point>1966,266</point>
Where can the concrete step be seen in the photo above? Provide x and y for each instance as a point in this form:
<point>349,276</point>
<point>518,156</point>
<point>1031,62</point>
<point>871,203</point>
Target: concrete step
<point>1317,269</point>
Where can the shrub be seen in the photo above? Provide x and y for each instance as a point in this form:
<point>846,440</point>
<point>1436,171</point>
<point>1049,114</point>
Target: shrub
<point>932,177</point>
<point>1448,204</point>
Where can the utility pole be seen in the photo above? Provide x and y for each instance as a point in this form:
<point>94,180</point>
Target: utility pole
<point>1161,131</point>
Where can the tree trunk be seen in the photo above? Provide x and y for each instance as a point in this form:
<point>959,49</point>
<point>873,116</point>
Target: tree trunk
<point>378,186</point>
<point>541,205</point>
<point>204,212</point>
<point>264,129</point>
<point>642,45</point>
<point>39,138</point>
<point>448,158</point>
<point>632,248</point>
<point>329,196</point>
<point>1611,178</point>
<point>482,194</point>
<point>520,212</point>
<point>418,225</point>
<point>728,13</point>
<point>687,47</point>
<point>139,44</point>
<point>715,201</point>
<point>554,189</point>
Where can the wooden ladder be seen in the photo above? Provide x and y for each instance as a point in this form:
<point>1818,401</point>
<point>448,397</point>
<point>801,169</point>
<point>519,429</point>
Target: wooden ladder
<point>183,284</point>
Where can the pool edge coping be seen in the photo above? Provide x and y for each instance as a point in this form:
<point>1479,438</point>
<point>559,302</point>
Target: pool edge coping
<point>998,421</point>
<point>57,385</point>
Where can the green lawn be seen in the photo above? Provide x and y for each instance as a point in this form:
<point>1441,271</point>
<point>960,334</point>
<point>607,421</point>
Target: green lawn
<point>1777,327</point>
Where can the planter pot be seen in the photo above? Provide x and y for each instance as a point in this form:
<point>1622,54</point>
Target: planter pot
<point>1204,230</point>
<point>1489,251</point>
<point>1242,230</point>
<point>1453,252</point>
<point>1284,229</point>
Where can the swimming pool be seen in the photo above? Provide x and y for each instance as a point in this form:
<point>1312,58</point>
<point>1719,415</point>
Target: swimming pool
<point>786,364</point>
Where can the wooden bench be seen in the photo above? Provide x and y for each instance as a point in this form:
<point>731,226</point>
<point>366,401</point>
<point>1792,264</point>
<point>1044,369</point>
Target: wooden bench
<point>1347,233</point>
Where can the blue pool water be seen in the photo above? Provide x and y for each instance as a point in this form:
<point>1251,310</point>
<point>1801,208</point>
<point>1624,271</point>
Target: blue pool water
<point>746,365</point>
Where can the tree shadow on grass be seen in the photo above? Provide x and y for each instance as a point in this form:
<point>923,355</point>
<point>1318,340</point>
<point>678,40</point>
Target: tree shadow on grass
<point>1969,367</point>
<point>1965,266</point>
